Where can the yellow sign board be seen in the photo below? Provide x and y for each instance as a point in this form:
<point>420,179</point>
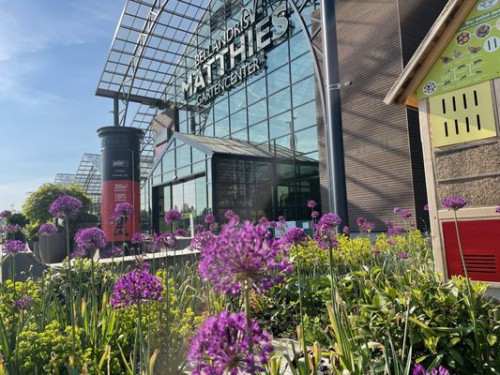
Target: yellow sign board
<point>471,57</point>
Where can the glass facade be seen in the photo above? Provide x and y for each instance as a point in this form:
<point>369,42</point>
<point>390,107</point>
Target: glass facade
<point>273,109</point>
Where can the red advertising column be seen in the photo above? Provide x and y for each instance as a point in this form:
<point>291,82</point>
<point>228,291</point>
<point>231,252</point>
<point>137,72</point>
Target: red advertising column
<point>120,179</point>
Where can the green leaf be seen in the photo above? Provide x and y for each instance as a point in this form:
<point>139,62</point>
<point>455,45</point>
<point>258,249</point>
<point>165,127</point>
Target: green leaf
<point>492,339</point>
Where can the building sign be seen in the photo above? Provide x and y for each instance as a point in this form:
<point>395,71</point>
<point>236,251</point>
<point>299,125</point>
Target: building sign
<point>236,55</point>
<point>472,56</point>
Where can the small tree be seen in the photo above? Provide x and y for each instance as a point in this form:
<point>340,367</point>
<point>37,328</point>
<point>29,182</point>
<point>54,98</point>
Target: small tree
<point>36,207</point>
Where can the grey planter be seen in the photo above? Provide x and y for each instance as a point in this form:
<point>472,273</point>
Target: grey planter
<point>53,248</point>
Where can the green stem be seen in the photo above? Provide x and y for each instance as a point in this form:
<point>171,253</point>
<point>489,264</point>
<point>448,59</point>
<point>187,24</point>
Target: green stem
<point>70,291</point>
<point>301,307</point>
<point>246,301</point>
<point>93,316</point>
<point>143,358</point>
<point>472,301</point>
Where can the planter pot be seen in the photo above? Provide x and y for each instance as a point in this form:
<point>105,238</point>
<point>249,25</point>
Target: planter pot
<point>52,248</point>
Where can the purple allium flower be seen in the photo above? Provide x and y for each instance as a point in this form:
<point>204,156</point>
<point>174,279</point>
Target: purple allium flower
<point>23,303</point>
<point>368,226</point>
<point>224,345</point>
<point>271,224</point>
<point>326,230</point>
<point>65,207</point>
<point>201,240</point>
<point>440,371</point>
<point>454,203</point>
<point>79,252</point>
<point>376,251</point>
<point>426,207</point>
<point>139,237</point>
<point>213,227</point>
<point>172,215</point>
<point>229,214</point>
<point>12,228</point>
<point>135,288</point>
<point>235,219</point>
<point>209,218</point>
<point>90,239</point>
<point>14,247</point>
<point>346,230</point>
<point>311,203</point>
<point>263,220</point>
<point>180,232</point>
<point>497,211</point>
<point>47,229</point>
<point>112,252</point>
<point>5,214</point>
<point>122,211</point>
<point>360,221</point>
<point>396,210</point>
<point>314,214</point>
<point>405,214</point>
<point>199,228</point>
<point>247,253</point>
<point>165,240</point>
<point>389,223</point>
<point>402,255</point>
<point>281,219</point>
<point>294,236</point>
<point>419,370</point>
<point>392,242</point>
<point>395,231</point>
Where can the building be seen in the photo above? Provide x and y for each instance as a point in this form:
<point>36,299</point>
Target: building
<point>235,95</point>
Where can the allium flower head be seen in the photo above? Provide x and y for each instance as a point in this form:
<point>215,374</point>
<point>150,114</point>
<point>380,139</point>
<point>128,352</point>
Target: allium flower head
<point>326,229</point>
<point>396,210</point>
<point>14,247</point>
<point>263,220</point>
<point>402,255</point>
<point>23,303</point>
<point>79,252</point>
<point>360,220</point>
<point>498,209</point>
<point>90,239</point>
<point>213,227</point>
<point>121,212</point>
<point>241,254</point>
<point>389,223</point>
<point>420,370</point>
<point>229,214</point>
<point>346,230</point>
<point>311,203</point>
<point>314,214</point>
<point>12,228</point>
<point>426,207</point>
<point>209,218</point>
<point>281,219</point>
<point>224,345</point>
<point>199,228</point>
<point>47,229</point>
<point>112,252</point>
<point>139,237</point>
<point>165,240</point>
<point>395,231</point>
<point>5,214</point>
<point>65,207</point>
<point>454,203</point>
<point>294,236</point>
<point>180,232</point>
<point>135,288</point>
<point>368,226</point>
<point>201,240</point>
<point>172,215</point>
<point>405,214</point>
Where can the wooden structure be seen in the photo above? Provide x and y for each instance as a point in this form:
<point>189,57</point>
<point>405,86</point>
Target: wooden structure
<point>453,80</point>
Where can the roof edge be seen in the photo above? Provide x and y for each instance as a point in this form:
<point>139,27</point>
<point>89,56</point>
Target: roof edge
<point>403,91</point>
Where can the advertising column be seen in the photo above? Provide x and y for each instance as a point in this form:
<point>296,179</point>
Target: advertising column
<point>120,179</point>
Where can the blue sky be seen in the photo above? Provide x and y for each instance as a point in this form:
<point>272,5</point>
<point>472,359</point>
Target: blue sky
<point>52,53</point>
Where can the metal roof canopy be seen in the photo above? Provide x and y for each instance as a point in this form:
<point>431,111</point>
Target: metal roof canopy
<point>64,178</point>
<point>88,175</point>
